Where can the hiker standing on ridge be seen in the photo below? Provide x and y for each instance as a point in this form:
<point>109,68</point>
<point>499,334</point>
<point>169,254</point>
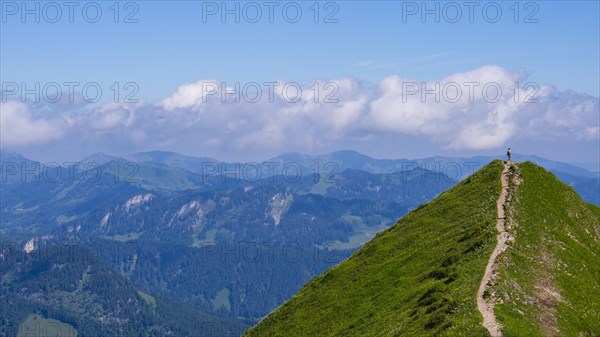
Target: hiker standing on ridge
<point>508,153</point>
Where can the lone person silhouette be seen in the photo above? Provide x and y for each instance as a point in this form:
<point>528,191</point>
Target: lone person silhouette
<point>508,153</point>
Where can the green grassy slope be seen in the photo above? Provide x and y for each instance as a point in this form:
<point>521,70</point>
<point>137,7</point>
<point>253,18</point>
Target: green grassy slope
<point>418,278</point>
<point>550,276</point>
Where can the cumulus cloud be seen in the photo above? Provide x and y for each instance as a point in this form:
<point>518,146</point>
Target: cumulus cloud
<point>190,95</point>
<point>561,116</point>
<point>482,109</point>
<point>111,117</point>
<point>471,110</point>
<point>479,109</point>
<point>20,128</point>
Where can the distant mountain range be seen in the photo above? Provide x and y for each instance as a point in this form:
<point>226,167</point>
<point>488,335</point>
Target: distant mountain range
<point>164,164</point>
<point>228,239</point>
<point>230,243</point>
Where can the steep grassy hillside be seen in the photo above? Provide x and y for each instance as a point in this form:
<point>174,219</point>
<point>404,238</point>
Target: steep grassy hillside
<point>419,277</point>
<point>550,276</point>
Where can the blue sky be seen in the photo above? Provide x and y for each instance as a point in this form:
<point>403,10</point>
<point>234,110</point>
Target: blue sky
<point>171,46</point>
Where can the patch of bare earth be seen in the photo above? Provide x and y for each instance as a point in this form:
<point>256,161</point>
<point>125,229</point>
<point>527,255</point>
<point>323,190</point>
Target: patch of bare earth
<point>546,296</point>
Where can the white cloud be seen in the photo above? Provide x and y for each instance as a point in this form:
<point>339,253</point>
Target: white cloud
<point>111,116</point>
<point>21,128</point>
<point>479,118</point>
<point>462,111</point>
<point>189,95</point>
<point>396,109</point>
<point>591,133</point>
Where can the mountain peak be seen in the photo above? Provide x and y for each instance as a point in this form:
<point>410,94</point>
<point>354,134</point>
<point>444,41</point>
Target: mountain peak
<point>348,153</point>
<point>164,156</point>
<point>9,155</point>
<point>98,158</point>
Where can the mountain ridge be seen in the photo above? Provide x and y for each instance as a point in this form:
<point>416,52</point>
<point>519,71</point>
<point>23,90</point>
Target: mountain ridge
<point>421,276</point>
<point>350,155</point>
<point>584,181</point>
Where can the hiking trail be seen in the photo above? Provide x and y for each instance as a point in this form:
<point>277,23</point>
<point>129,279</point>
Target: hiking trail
<point>486,307</point>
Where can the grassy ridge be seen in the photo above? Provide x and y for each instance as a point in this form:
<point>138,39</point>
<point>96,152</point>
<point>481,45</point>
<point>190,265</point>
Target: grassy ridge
<point>418,278</point>
<point>550,276</point>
